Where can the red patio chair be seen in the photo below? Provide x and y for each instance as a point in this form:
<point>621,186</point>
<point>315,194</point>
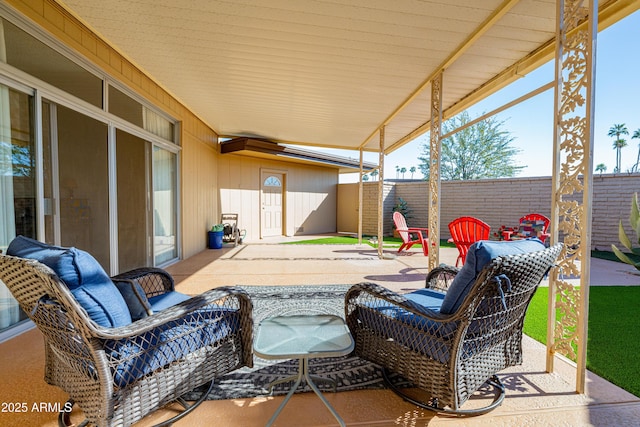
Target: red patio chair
<point>465,231</point>
<point>407,233</point>
<point>531,225</point>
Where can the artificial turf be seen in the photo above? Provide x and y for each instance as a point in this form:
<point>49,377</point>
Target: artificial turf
<point>613,341</point>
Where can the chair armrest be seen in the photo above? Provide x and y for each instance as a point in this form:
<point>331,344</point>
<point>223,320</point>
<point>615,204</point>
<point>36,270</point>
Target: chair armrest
<point>440,278</point>
<point>154,281</point>
<point>223,297</point>
<point>418,230</point>
<point>378,317</point>
<point>376,295</point>
<point>217,319</point>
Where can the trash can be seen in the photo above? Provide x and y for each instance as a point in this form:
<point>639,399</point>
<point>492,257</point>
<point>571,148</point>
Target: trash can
<point>215,239</point>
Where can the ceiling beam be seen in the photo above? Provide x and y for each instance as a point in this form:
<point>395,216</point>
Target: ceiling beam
<point>464,46</point>
<point>610,13</point>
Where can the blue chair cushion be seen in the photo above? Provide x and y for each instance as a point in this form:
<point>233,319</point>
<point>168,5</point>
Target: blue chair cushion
<point>136,299</point>
<point>143,354</point>
<point>479,255</point>
<point>84,276</point>
<point>169,299</point>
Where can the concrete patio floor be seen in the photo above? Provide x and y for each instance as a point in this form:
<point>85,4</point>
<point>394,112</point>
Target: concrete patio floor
<point>534,397</point>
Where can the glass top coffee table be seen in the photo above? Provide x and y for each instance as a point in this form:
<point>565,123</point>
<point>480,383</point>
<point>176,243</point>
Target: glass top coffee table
<point>303,337</point>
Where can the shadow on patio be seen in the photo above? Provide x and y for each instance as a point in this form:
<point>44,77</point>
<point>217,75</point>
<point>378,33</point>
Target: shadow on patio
<point>534,397</point>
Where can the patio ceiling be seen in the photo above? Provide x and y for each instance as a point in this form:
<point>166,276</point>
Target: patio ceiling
<point>329,73</point>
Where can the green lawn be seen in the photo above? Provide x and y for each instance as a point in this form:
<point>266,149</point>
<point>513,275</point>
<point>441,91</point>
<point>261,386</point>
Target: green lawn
<point>613,341</point>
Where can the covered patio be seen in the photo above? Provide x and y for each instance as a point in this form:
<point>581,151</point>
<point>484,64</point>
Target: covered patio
<point>360,76</point>
<point>534,397</point>
<point>372,77</point>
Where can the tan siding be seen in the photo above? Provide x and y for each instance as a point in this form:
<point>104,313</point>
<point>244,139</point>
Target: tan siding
<point>310,202</point>
<point>199,196</point>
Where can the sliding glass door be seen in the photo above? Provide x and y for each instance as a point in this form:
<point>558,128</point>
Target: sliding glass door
<point>134,227</point>
<point>76,169</point>
<point>164,205</point>
<point>17,183</point>
<point>84,161</point>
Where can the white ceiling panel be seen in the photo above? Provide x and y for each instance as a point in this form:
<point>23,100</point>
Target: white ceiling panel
<point>319,72</point>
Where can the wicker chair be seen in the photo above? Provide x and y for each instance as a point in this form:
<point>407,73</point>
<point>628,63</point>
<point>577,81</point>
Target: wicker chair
<point>448,356</point>
<point>118,375</point>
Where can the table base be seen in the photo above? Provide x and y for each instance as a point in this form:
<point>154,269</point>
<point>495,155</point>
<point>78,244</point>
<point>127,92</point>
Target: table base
<point>303,372</point>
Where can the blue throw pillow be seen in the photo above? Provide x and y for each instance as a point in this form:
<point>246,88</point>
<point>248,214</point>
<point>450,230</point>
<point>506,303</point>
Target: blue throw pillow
<point>104,304</point>
<point>84,276</point>
<point>479,255</point>
<point>73,266</point>
<point>136,299</point>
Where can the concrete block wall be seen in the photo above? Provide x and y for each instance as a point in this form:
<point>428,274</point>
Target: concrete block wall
<point>612,197</point>
<point>503,201</point>
<point>417,198</point>
<point>496,202</point>
<point>370,208</point>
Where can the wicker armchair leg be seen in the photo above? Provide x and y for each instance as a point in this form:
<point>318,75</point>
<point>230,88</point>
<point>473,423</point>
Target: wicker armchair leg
<point>64,419</point>
<point>187,408</point>
<point>432,405</point>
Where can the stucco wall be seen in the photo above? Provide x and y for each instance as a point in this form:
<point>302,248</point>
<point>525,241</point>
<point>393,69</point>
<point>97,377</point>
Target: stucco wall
<point>503,201</point>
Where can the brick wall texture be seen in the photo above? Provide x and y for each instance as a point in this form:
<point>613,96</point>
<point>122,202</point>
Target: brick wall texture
<point>503,201</point>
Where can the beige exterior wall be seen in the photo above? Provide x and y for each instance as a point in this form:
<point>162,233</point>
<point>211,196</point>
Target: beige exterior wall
<point>209,182</point>
<point>310,194</point>
<point>199,142</point>
<point>503,201</point>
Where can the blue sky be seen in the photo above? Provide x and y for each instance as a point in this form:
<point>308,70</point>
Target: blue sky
<point>617,100</point>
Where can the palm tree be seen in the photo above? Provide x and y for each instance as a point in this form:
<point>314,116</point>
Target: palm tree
<point>636,134</point>
<point>374,174</point>
<point>601,167</point>
<point>618,145</point>
<point>402,171</point>
<point>412,169</point>
<point>397,171</point>
<point>617,130</point>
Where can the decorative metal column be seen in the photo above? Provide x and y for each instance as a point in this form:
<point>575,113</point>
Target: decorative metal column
<point>381,194</point>
<point>572,181</point>
<point>360,196</point>
<point>434,172</point>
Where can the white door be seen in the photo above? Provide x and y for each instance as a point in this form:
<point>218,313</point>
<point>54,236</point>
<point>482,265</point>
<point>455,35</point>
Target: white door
<point>272,204</point>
